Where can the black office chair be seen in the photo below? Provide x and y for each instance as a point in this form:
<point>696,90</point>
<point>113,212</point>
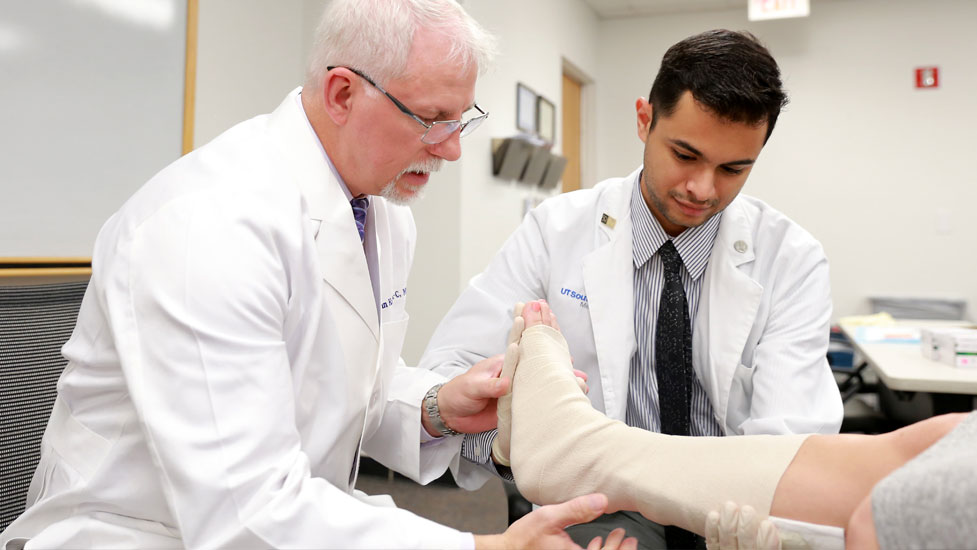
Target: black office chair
<point>35,322</point>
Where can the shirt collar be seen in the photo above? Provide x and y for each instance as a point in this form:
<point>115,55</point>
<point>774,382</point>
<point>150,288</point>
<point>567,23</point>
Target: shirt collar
<point>694,245</point>
<point>332,167</point>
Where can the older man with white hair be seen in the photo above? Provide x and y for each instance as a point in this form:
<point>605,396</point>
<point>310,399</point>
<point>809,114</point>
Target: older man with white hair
<point>238,346</point>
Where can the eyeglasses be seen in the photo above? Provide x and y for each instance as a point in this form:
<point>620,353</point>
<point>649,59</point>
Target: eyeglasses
<point>437,131</point>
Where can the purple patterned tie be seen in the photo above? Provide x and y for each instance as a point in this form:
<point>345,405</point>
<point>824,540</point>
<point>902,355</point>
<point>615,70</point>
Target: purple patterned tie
<point>360,206</point>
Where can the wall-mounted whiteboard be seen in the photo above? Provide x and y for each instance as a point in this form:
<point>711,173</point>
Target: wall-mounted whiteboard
<point>91,106</point>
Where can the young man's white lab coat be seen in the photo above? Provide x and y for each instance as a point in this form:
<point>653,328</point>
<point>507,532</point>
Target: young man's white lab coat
<point>761,333</point>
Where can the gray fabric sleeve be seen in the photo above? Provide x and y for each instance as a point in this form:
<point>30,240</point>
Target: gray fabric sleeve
<point>931,501</point>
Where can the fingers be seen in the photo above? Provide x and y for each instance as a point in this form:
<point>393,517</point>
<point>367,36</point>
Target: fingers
<point>545,313</point>
<point>510,361</point>
<point>489,367</point>
<point>746,527</point>
<point>487,388</point>
<point>483,380</point>
<point>581,377</point>
<point>538,312</point>
<point>728,518</point>
<point>767,537</point>
<point>518,323</point>
<point>615,541</point>
<point>739,527</point>
<point>532,314</point>
<point>517,309</point>
<point>515,333</point>
<point>578,510</point>
<point>712,531</point>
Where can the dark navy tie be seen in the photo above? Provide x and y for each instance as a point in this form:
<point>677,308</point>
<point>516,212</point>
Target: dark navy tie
<point>673,366</point>
<point>360,206</point>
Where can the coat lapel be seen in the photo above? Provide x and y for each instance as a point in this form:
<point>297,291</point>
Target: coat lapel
<point>340,252</point>
<point>608,278</point>
<point>728,303</point>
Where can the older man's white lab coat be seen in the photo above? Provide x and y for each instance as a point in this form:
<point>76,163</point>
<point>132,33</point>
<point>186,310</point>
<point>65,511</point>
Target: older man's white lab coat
<point>230,362</point>
<point>761,332</point>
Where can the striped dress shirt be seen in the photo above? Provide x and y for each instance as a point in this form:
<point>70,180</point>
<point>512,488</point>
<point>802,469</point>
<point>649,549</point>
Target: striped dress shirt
<point>694,246</point>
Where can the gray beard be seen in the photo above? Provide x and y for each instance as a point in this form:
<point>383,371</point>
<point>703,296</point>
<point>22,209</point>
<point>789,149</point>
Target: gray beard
<point>394,195</point>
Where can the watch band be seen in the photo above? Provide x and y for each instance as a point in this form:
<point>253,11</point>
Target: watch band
<point>434,413</point>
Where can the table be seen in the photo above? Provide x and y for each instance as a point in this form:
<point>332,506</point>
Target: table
<point>902,367</point>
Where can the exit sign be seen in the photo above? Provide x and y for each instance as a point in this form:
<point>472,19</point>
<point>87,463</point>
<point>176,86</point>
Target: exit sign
<point>927,77</point>
<point>778,9</point>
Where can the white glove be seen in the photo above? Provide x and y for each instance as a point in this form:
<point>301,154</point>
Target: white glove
<point>740,528</point>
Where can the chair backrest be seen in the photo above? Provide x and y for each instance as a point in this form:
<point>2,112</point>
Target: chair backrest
<point>919,308</point>
<point>35,322</point>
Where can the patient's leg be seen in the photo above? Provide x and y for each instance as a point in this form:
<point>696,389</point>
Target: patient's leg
<point>831,474</point>
<point>562,447</point>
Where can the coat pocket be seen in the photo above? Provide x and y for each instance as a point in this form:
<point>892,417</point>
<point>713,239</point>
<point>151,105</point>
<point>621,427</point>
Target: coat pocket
<point>740,397</point>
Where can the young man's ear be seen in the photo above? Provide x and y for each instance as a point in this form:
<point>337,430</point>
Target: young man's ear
<point>644,111</point>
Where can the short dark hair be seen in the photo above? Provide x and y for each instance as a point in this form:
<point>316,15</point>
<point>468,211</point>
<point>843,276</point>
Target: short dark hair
<point>730,73</point>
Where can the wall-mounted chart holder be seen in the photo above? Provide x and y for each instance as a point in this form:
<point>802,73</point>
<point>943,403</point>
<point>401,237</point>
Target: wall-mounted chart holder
<point>536,167</point>
<point>509,157</point>
<point>554,171</point>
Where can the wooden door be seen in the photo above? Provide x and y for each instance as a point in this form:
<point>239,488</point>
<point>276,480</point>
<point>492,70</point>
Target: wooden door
<point>571,133</point>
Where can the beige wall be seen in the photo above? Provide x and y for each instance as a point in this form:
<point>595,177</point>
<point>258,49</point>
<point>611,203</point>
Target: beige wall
<point>250,54</point>
<point>880,172</point>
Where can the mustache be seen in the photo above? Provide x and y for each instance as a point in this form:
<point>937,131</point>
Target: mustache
<point>423,166</point>
<point>696,202</point>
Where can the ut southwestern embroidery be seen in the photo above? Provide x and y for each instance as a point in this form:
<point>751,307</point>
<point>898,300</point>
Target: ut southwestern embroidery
<point>575,295</point>
<point>398,294</point>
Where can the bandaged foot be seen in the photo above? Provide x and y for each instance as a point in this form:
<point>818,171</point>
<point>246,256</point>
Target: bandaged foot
<point>500,445</point>
<point>561,447</point>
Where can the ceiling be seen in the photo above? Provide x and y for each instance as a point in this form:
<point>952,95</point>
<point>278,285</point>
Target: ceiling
<point>609,9</point>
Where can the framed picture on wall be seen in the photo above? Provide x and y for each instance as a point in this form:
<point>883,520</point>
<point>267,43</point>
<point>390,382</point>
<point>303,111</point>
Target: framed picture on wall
<point>525,109</point>
<point>545,119</point>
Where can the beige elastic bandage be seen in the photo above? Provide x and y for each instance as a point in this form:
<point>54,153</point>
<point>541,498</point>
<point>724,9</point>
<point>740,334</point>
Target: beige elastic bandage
<point>561,447</point>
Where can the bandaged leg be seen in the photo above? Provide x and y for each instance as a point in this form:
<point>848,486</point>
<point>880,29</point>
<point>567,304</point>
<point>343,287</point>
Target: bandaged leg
<point>561,447</point>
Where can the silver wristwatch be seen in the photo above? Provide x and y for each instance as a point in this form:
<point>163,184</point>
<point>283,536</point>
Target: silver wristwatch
<point>434,414</point>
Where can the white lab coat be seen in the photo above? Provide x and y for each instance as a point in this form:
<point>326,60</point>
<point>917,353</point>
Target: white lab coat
<point>761,333</point>
<point>230,361</point>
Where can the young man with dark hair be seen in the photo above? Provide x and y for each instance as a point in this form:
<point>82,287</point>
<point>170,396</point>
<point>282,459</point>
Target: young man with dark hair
<point>693,309</point>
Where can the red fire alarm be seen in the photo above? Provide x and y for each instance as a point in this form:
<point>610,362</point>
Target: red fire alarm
<point>927,77</point>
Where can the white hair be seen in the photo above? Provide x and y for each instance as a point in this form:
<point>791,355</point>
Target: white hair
<point>375,36</point>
